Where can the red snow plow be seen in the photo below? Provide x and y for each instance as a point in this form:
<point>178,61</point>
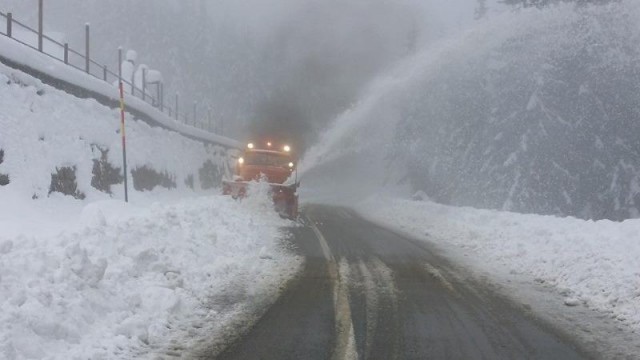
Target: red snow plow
<point>276,165</point>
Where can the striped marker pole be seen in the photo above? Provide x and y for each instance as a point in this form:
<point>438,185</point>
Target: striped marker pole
<point>124,143</point>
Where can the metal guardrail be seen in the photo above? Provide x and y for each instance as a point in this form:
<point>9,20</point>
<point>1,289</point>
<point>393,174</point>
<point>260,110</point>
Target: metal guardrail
<point>83,62</point>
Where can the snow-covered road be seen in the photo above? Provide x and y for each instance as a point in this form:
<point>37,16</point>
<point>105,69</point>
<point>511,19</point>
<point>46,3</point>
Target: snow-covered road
<point>368,293</point>
<point>111,280</point>
<point>579,274</point>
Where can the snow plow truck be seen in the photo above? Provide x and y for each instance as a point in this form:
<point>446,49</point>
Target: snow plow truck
<point>274,163</point>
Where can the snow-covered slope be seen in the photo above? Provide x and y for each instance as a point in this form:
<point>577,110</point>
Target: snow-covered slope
<point>85,275</point>
<point>533,111</point>
<point>545,122</point>
<point>44,130</point>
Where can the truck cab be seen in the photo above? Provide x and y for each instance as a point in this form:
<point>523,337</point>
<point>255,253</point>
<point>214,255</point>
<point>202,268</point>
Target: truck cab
<point>274,163</point>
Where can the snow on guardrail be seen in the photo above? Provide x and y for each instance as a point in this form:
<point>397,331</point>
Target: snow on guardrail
<point>14,53</point>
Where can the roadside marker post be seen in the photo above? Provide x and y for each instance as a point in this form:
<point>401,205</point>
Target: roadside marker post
<point>9,24</point>
<point>40,25</point>
<point>124,143</point>
<point>87,48</point>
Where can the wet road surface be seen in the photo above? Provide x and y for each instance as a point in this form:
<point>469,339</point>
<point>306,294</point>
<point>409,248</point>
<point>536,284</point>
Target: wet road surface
<point>368,293</point>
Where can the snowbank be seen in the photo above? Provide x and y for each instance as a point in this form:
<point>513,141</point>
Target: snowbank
<point>124,281</point>
<point>595,264</point>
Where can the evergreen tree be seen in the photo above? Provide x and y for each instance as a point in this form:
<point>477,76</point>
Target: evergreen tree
<point>529,3</point>
<point>543,3</point>
<point>481,9</point>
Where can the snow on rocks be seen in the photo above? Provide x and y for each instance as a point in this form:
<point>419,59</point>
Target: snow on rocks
<point>125,280</point>
<point>595,264</point>
<point>571,301</point>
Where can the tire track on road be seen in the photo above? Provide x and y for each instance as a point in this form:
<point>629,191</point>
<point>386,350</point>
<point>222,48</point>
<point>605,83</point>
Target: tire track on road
<point>369,293</point>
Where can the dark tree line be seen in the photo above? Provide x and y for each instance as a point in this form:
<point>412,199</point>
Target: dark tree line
<point>481,9</point>
<point>542,3</point>
<point>481,5</point>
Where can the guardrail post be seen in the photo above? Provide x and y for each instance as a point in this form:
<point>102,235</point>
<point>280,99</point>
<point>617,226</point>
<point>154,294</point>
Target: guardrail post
<point>144,84</point>
<point>87,50</point>
<point>157,99</point>
<point>195,116</point>
<point>9,25</point>
<point>40,24</point>
<point>177,103</point>
<point>209,119</point>
<point>119,64</point>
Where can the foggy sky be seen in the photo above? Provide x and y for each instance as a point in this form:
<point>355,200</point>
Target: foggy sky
<point>282,68</point>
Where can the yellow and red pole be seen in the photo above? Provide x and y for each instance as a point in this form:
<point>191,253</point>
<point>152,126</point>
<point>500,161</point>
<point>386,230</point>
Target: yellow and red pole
<point>124,142</point>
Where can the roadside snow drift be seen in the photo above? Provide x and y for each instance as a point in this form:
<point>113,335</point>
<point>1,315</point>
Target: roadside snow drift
<point>126,281</point>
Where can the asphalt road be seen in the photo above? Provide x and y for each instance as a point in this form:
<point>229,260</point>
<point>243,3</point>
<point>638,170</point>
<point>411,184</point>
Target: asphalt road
<point>369,293</point>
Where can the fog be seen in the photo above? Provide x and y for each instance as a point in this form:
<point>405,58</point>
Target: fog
<point>531,111</point>
<point>280,69</point>
<point>520,109</point>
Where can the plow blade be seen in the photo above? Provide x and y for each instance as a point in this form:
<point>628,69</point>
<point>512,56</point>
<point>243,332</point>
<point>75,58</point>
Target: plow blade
<point>285,199</point>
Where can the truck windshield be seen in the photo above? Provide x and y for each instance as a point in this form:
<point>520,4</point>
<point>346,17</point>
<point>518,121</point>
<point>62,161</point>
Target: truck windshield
<point>267,159</point>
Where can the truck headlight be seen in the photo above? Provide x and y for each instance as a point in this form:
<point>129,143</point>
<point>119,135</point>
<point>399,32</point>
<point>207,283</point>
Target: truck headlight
<point>240,161</point>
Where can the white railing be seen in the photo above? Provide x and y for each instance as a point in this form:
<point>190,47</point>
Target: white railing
<point>81,61</point>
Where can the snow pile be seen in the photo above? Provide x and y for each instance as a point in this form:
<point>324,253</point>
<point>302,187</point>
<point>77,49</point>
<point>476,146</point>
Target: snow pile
<point>259,195</point>
<point>124,281</point>
<point>595,264</point>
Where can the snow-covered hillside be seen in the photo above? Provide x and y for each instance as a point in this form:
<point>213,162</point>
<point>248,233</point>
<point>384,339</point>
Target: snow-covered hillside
<point>48,133</point>
<point>533,111</point>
